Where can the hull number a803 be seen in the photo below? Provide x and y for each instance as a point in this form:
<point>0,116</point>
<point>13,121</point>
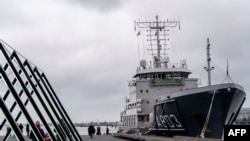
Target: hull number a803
<point>168,121</point>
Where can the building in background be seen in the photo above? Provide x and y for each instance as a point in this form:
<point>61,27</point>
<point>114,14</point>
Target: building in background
<point>243,117</point>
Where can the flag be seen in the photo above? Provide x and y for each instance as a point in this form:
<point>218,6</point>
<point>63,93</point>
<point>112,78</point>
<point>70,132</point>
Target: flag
<point>139,33</point>
<point>156,33</point>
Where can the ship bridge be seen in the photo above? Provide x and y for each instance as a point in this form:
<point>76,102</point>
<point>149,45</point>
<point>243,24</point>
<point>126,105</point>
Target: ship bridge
<point>163,76</point>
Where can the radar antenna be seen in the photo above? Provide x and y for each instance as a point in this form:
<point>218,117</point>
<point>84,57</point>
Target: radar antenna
<point>157,33</point>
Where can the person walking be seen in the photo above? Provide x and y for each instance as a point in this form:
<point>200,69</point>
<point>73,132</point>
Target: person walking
<point>32,136</point>
<point>91,130</point>
<point>27,129</point>
<point>21,127</point>
<point>8,130</point>
<point>107,131</point>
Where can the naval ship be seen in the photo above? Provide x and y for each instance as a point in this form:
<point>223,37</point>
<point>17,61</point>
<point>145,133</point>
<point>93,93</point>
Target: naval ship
<point>164,100</point>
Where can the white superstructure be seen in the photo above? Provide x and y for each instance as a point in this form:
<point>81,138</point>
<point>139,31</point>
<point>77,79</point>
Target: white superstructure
<point>155,79</point>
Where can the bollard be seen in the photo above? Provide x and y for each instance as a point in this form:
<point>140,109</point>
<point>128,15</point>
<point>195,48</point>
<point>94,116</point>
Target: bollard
<point>98,130</point>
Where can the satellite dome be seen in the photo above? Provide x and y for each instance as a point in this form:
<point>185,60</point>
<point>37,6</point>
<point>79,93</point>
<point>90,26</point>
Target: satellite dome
<point>183,62</point>
<point>143,63</point>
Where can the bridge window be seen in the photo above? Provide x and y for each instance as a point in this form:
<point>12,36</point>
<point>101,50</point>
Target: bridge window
<point>168,78</point>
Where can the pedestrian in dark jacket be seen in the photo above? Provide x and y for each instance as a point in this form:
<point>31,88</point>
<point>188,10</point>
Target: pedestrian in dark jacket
<point>91,130</point>
<point>32,136</point>
<point>107,131</point>
<point>21,127</point>
<point>27,129</point>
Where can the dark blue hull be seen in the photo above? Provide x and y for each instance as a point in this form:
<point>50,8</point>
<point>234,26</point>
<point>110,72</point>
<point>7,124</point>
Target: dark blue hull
<point>185,114</point>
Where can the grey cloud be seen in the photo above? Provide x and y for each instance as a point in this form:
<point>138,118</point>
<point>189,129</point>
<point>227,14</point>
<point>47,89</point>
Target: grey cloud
<point>100,5</point>
<point>88,58</point>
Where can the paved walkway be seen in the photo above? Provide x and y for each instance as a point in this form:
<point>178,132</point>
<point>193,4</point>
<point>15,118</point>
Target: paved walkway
<point>161,138</point>
<point>103,138</point>
<point>12,138</point>
<point>132,137</point>
<point>84,137</point>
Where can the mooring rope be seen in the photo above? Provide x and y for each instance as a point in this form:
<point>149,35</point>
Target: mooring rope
<point>208,116</point>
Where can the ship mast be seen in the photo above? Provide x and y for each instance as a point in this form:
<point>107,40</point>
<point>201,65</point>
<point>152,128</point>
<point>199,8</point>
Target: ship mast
<point>157,26</point>
<point>158,41</point>
<point>208,68</point>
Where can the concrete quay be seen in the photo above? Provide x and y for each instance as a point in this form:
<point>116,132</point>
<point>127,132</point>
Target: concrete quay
<point>103,138</point>
<point>84,138</point>
<point>130,137</point>
<point>161,138</point>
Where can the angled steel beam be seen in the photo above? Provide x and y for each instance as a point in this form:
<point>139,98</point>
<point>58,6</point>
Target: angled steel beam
<point>18,115</point>
<point>68,127</point>
<point>45,123</point>
<point>11,121</point>
<point>58,104</point>
<point>13,91</point>
<point>48,100</point>
<point>14,55</point>
<point>11,109</point>
<point>22,107</point>
<point>38,82</point>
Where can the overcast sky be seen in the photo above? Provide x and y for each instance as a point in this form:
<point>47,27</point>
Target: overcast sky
<point>88,48</point>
